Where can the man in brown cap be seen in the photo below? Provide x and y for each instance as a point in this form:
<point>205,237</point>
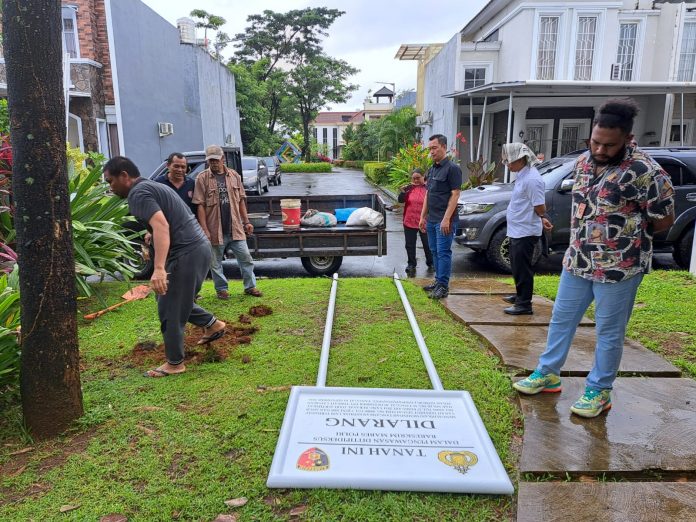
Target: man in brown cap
<point>222,214</point>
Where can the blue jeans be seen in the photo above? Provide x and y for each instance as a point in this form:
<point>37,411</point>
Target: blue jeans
<point>613,307</point>
<point>241,254</point>
<point>441,248</point>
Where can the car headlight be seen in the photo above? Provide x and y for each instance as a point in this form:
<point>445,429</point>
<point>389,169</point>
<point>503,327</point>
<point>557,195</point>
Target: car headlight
<point>474,208</point>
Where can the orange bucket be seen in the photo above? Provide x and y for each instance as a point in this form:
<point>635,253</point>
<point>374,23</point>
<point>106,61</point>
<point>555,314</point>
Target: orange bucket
<point>290,210</point>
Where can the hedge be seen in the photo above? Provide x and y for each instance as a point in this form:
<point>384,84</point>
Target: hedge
<point>377,172</point>
<point>354,164</point>
<point>305,167</point>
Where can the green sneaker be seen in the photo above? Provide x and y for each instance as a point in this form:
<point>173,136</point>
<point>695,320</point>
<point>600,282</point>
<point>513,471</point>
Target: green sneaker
<point>538,382</point>
<point>592,403</point>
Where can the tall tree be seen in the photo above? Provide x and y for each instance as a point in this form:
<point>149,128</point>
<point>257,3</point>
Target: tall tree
<point>287,37</point>
<point>282,38</point>
<point>314,84</point>
<point>50,375</point>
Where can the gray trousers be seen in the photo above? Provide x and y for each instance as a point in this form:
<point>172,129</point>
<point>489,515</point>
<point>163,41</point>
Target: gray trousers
<point>177,306</point>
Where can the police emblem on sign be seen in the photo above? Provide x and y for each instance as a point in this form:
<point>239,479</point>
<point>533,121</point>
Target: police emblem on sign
<point>459,460</point>
<point>313,459</point>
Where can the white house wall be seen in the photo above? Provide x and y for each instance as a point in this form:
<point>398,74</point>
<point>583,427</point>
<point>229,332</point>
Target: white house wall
<point>440,79</point>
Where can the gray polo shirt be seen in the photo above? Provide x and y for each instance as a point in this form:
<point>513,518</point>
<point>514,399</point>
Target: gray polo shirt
<point>148,197</point>
<point>527,193</point>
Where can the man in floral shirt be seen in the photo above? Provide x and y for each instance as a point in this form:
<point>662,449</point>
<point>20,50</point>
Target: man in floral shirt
<point>621,197</point>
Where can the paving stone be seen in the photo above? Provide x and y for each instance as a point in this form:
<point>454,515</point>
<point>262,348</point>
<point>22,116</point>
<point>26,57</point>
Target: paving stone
<point>607,501</point>
<point>520,347</point>
<point>651,426</point>
<point>488,309</point>
<point>480,286</point>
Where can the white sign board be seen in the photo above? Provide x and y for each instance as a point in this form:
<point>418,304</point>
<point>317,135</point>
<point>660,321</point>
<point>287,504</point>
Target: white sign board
<point>382,439</point>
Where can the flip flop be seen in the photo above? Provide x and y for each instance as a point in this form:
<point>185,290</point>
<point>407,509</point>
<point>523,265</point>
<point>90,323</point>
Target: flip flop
<point>212,337</point>
<point>162,373</point>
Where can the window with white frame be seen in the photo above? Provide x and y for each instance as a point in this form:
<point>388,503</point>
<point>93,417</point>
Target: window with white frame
<point>687,54</point>
<point>474,77</point>
<point>547,47</point>
<point>585,47</point>
<point>70,42</point>
<point>626,53</point>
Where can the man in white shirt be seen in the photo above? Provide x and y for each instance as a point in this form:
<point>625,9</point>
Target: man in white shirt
<point>525,223</point>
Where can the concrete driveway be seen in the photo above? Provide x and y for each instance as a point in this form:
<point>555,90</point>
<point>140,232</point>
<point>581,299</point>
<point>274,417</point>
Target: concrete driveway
<point>466,263</point>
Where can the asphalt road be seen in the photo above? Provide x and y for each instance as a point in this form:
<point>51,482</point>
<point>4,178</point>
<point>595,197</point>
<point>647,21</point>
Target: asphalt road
<point>466,263</point>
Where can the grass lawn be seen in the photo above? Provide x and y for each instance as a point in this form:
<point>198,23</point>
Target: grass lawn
<point>178,447</point>
<point>663,316</point>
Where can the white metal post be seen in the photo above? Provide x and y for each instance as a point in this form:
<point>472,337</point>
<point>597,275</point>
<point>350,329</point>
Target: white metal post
<point>481,125</point>
<point>326,344</point>
<point>692,267</point>
<point>471,129</point>
<point>425,354</point>
<point>506,178</point>
<point>681,120</point>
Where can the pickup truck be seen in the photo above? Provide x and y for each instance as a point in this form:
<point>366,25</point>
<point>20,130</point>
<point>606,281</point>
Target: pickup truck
<point>321,250</point>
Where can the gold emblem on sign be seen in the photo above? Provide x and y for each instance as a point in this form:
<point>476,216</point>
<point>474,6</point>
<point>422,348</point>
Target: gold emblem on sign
<point>459,460</point>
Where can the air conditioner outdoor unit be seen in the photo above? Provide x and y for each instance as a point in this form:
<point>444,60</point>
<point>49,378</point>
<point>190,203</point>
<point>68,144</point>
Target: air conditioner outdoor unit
<point>165,129</point>
<point>615,71</point>
<point>425,118</point>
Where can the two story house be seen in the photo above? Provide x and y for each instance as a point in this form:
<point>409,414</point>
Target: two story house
<point>140,87</point>
<point>537,71</point>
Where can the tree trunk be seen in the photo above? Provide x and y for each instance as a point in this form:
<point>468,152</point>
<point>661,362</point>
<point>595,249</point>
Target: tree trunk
<point>50,373</point>
<point>306,145</point>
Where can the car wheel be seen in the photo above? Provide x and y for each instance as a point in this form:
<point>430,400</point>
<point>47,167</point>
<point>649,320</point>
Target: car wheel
<point>259,188</point>
<point>682,248</point>
<point>321,265</point>
<point>498,252</point>
<point>268,186</point>
<point>278,180</point>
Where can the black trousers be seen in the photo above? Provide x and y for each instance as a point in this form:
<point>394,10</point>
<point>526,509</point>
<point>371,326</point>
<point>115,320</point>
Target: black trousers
<point>411,235</point>
<point>521,253</point>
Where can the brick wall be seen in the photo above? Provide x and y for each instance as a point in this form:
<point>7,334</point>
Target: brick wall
<point>94,41</point>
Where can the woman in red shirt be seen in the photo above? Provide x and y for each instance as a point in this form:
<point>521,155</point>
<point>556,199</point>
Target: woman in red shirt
<point>413,196</point>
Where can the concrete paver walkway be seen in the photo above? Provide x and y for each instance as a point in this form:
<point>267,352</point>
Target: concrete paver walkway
<point>645,442</point>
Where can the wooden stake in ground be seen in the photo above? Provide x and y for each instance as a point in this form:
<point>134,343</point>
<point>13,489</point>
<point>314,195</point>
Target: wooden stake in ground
<point>50,376</point>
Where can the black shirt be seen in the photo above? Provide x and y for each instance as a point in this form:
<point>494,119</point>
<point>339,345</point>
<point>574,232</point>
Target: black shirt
<point>443,178</point>
<point>185,191</point>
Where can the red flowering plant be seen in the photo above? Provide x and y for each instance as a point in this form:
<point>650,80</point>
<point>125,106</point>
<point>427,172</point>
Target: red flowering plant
<point>401,166</point>
<point>7,232</point>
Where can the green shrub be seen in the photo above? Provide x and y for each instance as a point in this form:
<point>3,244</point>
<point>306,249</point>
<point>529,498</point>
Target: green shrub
<point>9,329</point>
<point>401,166</point>
<point>305,167</point>
<point>102,245</point>
<point>376,171</point>
<point>354,164</point>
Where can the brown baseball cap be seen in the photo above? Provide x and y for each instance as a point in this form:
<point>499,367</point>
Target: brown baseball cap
<point>213,152</point>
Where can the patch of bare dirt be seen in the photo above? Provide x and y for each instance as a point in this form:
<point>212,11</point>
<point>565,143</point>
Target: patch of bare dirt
<point>149,352</point>
<point>260,311</point>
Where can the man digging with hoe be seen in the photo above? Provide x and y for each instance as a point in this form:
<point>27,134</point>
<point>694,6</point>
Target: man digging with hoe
<point>176,236</point>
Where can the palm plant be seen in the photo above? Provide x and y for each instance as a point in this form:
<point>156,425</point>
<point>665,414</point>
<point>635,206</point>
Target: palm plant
<point>9,329</point>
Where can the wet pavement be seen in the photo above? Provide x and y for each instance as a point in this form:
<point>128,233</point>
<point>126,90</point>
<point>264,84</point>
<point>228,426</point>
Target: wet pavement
<point>645,440</point>
<point>465,263</point>
<point>607,501</point>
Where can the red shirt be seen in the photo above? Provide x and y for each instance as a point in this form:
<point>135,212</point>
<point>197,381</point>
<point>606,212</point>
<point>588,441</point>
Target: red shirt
<point>413,206</point>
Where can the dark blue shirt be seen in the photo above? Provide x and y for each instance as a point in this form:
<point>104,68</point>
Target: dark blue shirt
<point>185,191</point>
<point>443,178</point>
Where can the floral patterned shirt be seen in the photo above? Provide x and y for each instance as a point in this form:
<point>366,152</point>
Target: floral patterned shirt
<point>610,230</point>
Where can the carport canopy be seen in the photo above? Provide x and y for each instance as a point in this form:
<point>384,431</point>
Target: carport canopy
<point>560,88</point>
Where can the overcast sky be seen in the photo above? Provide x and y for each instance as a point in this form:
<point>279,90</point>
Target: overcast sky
<point>367,36</point>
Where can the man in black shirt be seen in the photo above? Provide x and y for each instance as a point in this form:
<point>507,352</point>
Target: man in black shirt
<point>176,236</point>
<point>438,216</point>
<point>176,179</point>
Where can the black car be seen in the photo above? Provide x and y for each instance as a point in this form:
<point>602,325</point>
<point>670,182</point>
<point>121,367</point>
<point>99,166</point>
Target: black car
<point>482,225</point>
<point>197,164</point>
<point>273,164</point>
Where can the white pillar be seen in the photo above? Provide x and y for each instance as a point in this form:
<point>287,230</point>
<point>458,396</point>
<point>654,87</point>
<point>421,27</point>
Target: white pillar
<point>692,267</point>
<point>471,129</point>
<point>508,129</point>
